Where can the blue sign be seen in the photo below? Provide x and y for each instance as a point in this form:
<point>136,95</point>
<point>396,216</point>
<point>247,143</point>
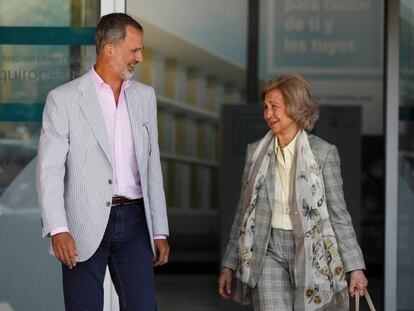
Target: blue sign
<point>342,37</point>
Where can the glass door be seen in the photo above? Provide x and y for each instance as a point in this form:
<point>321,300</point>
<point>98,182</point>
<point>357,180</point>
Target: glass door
<point>43,43</point>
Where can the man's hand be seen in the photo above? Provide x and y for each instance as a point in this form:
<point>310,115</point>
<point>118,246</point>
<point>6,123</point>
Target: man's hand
<point>224,282</point>
<point>65,248</point>
<point>162,251</point>
<point>358,283</point>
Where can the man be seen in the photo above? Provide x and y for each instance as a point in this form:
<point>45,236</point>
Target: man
<point>99,176</point>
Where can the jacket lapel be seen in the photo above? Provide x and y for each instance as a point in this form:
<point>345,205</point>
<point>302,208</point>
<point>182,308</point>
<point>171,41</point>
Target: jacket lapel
<point>134,103</point>
<point>271,181</point>
<point>89,105</point>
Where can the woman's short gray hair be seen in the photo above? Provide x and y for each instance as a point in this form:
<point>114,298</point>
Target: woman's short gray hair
<point>111,29</point>
<point>297,94</point>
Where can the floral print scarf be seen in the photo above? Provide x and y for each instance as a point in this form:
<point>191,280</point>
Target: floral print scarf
<point>260,159</point>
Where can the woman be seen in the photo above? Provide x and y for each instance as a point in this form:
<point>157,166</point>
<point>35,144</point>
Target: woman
<point>292,240</point>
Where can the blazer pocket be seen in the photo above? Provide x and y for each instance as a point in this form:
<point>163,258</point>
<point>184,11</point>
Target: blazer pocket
<point>147,131</point>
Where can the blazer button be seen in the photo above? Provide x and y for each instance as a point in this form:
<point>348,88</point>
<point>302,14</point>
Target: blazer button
<point>108,204</point>
<point>110,181</point>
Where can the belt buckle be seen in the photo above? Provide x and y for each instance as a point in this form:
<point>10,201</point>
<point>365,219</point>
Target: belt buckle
<point>117,200</point>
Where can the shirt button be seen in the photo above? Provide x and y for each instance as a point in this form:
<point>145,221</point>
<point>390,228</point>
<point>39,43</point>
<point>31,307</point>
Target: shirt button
<point>110,181</point>
<point>108,204</point>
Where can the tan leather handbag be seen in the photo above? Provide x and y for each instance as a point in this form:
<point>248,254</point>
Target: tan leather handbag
<point>368,298</point>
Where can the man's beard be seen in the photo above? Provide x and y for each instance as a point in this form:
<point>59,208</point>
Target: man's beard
<point>123,69</point>
<point>126,74</point>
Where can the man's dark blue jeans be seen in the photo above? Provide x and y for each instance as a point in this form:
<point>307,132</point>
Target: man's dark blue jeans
<point>126,250</point>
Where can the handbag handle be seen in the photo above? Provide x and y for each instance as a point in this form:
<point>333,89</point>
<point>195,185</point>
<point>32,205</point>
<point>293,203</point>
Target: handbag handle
<point>367,297</point>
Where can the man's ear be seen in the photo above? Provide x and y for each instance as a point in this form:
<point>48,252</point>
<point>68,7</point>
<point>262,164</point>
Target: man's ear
<point>108,49</point>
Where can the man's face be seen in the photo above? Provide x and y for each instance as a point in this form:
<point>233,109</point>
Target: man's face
<point>128,53</point>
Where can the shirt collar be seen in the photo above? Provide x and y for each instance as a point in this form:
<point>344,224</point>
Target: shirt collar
<point>100,83</point>
<point>290,147</point>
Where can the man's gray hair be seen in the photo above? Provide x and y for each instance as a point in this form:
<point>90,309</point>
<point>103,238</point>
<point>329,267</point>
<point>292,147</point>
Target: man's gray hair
<point>111,29</point>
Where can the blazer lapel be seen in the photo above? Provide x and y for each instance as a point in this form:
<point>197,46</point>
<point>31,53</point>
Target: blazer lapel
<point>89,105</point>
<point>271,181</point>
<point>134,103</point>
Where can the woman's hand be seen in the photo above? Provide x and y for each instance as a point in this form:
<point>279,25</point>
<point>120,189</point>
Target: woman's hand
<point>224,282</point>
<point>358,283</point>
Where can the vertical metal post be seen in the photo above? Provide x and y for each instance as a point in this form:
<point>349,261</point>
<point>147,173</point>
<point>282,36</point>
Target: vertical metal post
<point>392,86</point>
<point>110,296</point>
<point>75,50</point>
<point>113,6</point>
<point>252,78</point>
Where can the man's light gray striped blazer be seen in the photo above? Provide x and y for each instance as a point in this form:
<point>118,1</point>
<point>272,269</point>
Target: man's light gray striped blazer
<point>74,168</point>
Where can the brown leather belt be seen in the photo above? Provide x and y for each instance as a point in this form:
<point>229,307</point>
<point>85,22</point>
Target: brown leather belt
<point>118,200</point>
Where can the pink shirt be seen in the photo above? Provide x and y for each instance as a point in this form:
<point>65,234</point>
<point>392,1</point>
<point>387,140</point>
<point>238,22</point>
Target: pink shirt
<point>126,180</point>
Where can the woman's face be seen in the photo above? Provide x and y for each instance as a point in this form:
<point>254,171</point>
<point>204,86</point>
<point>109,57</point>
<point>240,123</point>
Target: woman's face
<point>275,114</point>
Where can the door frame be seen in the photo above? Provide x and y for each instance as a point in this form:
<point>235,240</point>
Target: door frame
<point>391,119</point>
